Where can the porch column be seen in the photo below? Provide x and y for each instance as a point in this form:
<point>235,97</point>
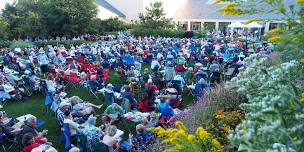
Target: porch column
<point>217,24</point>
<point>189,26</point>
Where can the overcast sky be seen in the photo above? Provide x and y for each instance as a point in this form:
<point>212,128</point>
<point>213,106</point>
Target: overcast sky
<point>3,2</point>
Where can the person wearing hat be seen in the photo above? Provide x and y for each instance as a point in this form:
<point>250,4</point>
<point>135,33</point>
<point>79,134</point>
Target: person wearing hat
<point>43,61</point>
<point>109,96</point>
<point>63,107</point>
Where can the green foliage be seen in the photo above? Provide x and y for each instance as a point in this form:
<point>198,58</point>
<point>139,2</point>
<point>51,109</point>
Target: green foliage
<point>32,18</point>
<point>3,29</point>
<point>20,44</point>
<point>66,43</point>
<point>154,17</point>
<point>5,43</point>
<point>141,31</point>
<point>274,119</point>
<point>201,33</point>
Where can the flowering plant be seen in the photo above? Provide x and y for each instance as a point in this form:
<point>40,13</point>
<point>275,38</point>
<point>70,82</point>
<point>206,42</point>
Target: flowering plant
<point>275,115</point>
<point>186,142</point>
<point>223,122</point>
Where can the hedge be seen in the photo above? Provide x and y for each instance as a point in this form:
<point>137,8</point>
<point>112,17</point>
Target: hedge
<point>66,43</point>
<point>5,44</point>
<point>157,32</point>
<point>20,44</point>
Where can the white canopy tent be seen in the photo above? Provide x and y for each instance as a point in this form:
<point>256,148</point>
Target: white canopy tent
<point>254,25</point>
<point>237,25</point>
<point>234,25</point>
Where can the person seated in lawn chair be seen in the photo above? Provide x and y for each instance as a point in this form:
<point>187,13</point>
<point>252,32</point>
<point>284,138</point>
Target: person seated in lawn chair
<point>73,126</point>
<point>82,108</point>
<point>166,111</point>
<point>91,132</point>
<point>30,81</point>
<point>134,87</point>
<point>130,97</point>
<point>198,90</point>
<point>29,127</point>
<point>142,139</point>
<point>109,95</point>
<point>114,112</point>
<point>110,140</point>
<point>30,144</point>
<point>6,125</point>
<point>95,84</point>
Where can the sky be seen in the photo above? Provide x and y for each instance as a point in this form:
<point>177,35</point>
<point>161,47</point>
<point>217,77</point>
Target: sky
<point>3,2</point>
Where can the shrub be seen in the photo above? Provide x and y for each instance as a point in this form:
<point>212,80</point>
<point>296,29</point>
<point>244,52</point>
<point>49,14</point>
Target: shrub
<point>218,98</point>
<point>188,34</point>
<point>20,44</point>
<point>5,44</point>
<point>274,119</point>
<point>66,43</point>
<point>140,31</point>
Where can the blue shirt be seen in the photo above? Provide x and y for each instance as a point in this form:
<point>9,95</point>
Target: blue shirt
<point>43,60</point>
<point>165,109</point>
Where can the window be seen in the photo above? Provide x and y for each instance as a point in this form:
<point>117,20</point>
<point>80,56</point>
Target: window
<point>183,25</point>
<point>195,26</point>
<point>209,26</point>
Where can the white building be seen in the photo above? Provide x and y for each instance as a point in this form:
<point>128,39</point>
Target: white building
<point>190,14</point>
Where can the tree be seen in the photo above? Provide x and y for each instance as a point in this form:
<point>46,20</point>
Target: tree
<point>70,17</point>
<point>3,29</point>
<point>32,18</point>
<point>154,17</point>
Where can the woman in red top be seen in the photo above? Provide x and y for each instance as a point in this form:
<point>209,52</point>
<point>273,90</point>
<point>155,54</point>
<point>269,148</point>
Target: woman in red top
<point>29,143</point>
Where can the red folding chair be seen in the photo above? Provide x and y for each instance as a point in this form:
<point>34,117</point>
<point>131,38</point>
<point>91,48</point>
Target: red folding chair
<point>80,59</point>
<point>105,74</point>
<point>73,79</point>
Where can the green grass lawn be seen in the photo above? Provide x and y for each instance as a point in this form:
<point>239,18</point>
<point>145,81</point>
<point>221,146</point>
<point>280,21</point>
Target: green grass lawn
<point>35,106</point>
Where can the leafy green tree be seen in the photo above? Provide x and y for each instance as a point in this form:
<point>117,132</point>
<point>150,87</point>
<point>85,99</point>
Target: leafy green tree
<point>3,29</point>
<point>32,18</point>
<point>154,17</point>
<point>70,17</point>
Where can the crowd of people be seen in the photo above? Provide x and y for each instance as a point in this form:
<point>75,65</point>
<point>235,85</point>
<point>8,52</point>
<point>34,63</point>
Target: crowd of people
<point>177,67</point>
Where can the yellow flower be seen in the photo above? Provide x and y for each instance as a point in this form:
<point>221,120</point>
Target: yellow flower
<point>202,134</point>
<point>302,97</point>
<point>274,31</point>
<point>216,145</point>
<point>302,61</point>
<point>252,20</point>
<point>216,2</point>
<point>274,39</point>
<point>230,9</point>
<point>180,125</point>
<point>300,1</point>
<point>192,139</point>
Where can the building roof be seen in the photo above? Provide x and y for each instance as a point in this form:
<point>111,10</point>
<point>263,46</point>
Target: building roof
<point>202,9</point>
<point>110,7</point>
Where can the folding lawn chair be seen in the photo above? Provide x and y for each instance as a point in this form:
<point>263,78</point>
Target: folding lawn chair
<point>80,59</point>
<point>229,73</point>
<point>73,79</point>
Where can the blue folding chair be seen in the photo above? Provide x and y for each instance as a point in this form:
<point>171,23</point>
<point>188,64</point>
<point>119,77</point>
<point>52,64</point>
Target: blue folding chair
<point>177,84</point>
<point>65,137</point>
<point>3,141</point>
